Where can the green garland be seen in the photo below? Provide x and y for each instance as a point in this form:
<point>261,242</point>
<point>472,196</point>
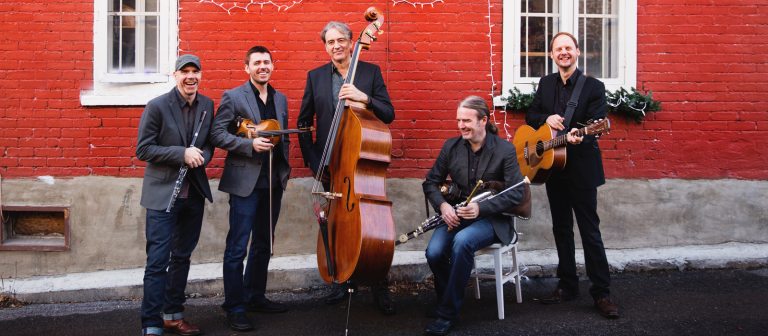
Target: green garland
<point>631,105</point>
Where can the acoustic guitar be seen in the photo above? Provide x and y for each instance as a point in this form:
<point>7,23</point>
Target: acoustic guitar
<point>541,151</point>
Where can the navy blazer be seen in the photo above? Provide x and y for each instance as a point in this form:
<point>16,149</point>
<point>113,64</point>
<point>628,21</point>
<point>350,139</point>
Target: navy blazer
<point>318,103</point>
<point>242,166</point>
<point>583,162</point>
<point>498,162</point>
<point>162,142</point>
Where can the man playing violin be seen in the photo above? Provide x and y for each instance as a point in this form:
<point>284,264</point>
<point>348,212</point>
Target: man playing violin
<point>573,191</point>
<point>478,154</point>
<point>246,178</point>
<point>325,87</point>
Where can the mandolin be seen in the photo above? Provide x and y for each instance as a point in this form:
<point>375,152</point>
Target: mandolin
<point>541,151</point>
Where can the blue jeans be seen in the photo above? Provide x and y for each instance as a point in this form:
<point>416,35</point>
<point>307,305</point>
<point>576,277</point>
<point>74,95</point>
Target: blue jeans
<point>451,255</point>
<point>171,238</point>
<point>248,220</point>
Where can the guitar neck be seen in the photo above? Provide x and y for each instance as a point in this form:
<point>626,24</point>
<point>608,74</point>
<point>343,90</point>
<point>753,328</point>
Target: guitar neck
<point>562,140</point>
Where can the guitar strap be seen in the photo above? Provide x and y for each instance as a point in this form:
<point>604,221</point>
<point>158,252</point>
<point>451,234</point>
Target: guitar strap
<point>572,103</point>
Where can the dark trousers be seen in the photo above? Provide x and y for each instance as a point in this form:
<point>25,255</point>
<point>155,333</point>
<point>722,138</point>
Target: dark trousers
<point>451,255</point>
<point>565,201</point>
<point>171,238</point>
<point>248,220</point>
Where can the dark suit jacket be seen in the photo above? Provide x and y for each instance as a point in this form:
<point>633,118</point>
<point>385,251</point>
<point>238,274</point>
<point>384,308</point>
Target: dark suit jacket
<point>318,102</point>
<point>242,166</point>
<point>498,162</point>
<point>161,143</point>
<point>583,163</point>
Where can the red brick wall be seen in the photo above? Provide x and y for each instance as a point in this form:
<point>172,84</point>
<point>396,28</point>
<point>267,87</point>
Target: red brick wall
<point>705,62</point>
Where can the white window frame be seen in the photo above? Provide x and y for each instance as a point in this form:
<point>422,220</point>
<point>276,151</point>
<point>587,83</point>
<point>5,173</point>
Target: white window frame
<point>569,19</point>
<point>136,88</point>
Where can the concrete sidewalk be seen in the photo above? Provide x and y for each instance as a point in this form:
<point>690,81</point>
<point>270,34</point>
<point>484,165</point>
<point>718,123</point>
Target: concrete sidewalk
<point>294,272</point>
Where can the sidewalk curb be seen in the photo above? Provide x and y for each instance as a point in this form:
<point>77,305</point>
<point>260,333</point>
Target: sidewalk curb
<point>297,272</point>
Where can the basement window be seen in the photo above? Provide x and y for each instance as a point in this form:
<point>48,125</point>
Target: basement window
<point>30,228</point>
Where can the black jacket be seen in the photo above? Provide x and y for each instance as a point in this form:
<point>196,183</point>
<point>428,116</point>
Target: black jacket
<point>498,162</point>
<point>318,103</point>
<point>583,163</point>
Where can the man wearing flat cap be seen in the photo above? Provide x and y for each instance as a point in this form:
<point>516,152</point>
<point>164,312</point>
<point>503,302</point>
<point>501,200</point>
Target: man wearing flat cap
<point>173,133</point>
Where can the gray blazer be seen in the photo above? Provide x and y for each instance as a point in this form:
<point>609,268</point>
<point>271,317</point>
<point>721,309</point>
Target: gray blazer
<point>498,162</point>
<point>242,166</point>
<point>161,143</point>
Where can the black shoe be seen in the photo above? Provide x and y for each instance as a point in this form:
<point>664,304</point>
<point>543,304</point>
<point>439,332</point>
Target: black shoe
<point>559,296</point>
<point>439,327</point>
<point>339,292</point>
<point>383,301</point>
<point>238,321</point>
<point>267,306</point>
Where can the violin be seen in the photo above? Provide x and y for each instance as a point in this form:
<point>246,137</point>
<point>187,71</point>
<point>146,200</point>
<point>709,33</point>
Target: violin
<point>267,128</point>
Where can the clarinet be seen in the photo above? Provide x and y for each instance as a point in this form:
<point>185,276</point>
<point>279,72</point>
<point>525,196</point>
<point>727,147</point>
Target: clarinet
<point>437,220</point>
<point>183,169</point>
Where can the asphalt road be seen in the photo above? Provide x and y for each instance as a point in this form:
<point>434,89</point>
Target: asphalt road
<point>714,302</point>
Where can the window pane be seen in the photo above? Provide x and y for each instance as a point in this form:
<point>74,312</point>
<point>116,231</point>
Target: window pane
<point>598,38</point>
<point>538,25</point>
<point>151,6</point>
<point>129,5</point>
<point>128,49</point>
<point>113,4</point>
<point>537,6</point>
<point>151,50</point>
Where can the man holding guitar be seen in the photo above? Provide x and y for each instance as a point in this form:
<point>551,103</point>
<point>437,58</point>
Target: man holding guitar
<point>573,190</point>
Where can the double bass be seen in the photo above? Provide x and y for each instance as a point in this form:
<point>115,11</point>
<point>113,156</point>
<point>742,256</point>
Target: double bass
<point>356,236</point>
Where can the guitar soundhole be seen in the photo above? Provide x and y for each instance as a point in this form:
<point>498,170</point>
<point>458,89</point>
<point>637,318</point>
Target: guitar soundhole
<point>539,148</point>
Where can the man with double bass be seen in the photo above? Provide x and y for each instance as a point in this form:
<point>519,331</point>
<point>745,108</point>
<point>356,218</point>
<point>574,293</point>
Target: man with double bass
<point>573,191</point>
<point>478,154</point>
<point>246,178</point>
<point>324,88</point>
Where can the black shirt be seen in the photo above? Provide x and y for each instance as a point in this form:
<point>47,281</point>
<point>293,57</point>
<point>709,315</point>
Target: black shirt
<point>474,162</point>
<point>267,110</point>
<point>564,91</point>
<point>188,118</point>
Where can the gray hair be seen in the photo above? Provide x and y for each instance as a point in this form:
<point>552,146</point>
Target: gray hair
<point>340,26</point>
<point>481,107</point>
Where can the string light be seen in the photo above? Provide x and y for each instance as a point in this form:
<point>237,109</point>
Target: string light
<point>232,6</point>
<point>493,80</point>
<point>236,5</point>
<point>416,3</point>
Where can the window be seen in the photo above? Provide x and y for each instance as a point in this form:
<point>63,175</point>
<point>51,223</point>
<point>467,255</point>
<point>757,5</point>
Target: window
<point>606,30</point>
<point>134,46</point>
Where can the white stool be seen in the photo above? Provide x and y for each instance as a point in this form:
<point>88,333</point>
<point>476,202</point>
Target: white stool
<point>499,275</point>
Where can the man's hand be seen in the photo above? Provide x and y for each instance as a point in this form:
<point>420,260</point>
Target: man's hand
<point>471,211</point>
<point>193,157</point>
<point>572,138</point>
<point>262,145</point>
<point>556,122</point>
<point>349,91</point>
<point>449,215</point>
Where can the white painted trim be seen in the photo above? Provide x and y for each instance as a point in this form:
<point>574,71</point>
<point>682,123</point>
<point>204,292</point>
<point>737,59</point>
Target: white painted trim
<point>131,89</point>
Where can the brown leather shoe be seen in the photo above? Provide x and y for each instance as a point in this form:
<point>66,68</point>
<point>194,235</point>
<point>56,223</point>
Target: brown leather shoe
<point>558,296</point>
<point>607,308</point>
<point>180,327</point>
